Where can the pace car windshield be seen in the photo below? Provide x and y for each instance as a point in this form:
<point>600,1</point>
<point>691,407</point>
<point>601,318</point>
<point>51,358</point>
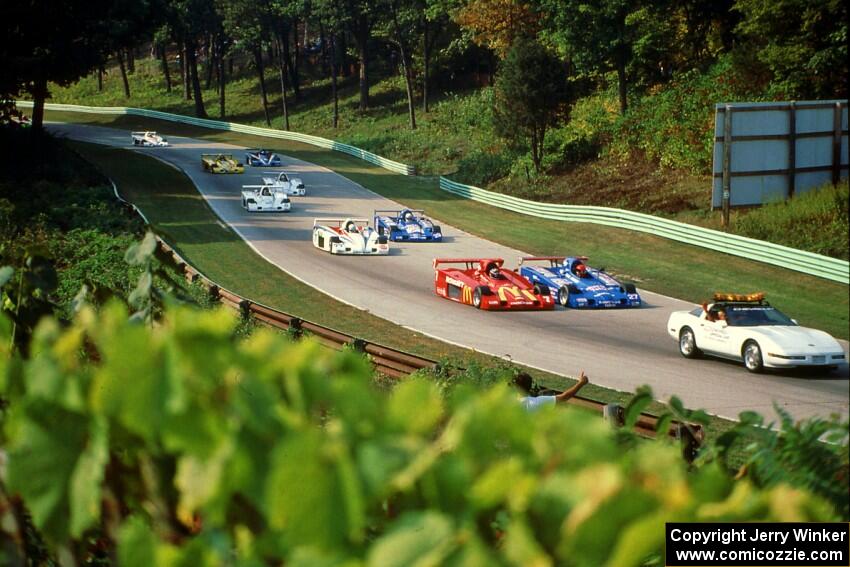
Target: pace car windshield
<point>756,316</point>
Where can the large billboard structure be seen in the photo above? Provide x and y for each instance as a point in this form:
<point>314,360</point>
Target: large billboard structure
<point>768,151</point>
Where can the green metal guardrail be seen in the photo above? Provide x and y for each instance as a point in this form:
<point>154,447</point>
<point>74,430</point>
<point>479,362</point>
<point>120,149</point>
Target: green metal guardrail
<point>750,248</point>
<point>391,165</point>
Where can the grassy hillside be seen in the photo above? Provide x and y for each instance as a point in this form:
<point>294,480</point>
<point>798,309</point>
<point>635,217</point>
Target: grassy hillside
<point>655,159</point>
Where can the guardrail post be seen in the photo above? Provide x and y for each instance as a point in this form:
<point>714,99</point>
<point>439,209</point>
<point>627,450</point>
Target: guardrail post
<point>245,309</point>
<point>691,440</point>
<point>294,328</point>
<point>359,345</point>
<point>614,414</point>
<point>213,291</point>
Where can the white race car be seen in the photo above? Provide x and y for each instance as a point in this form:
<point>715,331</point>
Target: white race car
<point>291,185</point>
<point>264,199</point>
<point>348,236</point>
<point>148,139</point>
<point>746,328</point>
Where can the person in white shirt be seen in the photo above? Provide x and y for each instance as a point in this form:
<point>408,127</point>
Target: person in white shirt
<point>525,384</point>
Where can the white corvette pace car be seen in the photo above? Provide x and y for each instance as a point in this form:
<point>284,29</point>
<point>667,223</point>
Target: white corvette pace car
<point>748,329</point>
<point>148,139</point>
<point>264,199</point>
<point>349,236</point>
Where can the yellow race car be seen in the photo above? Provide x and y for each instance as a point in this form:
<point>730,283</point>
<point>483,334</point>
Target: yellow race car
<point>221,163</point>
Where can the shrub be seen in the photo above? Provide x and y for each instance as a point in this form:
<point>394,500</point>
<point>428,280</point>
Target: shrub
<point>816,221</point>
<point>209,450</point>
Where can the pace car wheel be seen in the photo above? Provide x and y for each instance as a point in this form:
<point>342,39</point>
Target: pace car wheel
<point>688,344</point>
<point>563,296</point>
<point>752,357</point>
<point>476,297</point>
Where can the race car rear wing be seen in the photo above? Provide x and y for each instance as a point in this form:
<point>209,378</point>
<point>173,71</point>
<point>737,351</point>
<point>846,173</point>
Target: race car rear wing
<point>339,222</point>
<point>470,262</point>
<point>143,133</point>
<point>396,211</point>
<point>228,156</point>
<point>553,260</point>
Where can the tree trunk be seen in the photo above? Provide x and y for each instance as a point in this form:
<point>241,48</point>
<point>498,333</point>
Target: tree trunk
<point>131,61</point>
<point>408,80</point>
<point>200,112</point>
<point>333,80</point>
<point>621,62</point>
<point>210,61</point>
<point>281,67</point>
<point>287,56</point>
<point>39,94</point>
<point>296,79</point>
<point>258,60</point>
<point>426,59</point>
<point>362,38</point>
<point>324,54</point>
<point>405,65</point>
<point>124,74</point>
<point>187,91</point>
<point>222,80</point>
<point>100,79</point>
<point>163,54</point>
<point>535,156</point>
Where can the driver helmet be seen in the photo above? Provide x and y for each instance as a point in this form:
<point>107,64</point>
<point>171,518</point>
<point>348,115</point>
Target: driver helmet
<point>580,269</point>
<point>493,270</point>
<point>350,226</point>
<point>408,216</point>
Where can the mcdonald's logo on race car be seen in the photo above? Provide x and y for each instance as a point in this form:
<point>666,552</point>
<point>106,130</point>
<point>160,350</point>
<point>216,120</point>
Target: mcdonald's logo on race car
<point>485,284</point>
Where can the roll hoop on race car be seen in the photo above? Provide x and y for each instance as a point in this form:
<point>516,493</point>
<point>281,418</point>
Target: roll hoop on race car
<point>407,225</point>
<point>265,158</point>
<point>221,163</point>
<point>574,284</point>
<point>485,284</point>
<point>746,328</point>
<point>346,236</point>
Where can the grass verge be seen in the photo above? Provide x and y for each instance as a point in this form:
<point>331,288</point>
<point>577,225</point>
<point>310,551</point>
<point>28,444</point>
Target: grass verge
<point>656,264</point>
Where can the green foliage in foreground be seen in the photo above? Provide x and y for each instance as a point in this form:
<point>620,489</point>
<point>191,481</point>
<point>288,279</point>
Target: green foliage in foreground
<point>816,221</point>
<point>179,445</point>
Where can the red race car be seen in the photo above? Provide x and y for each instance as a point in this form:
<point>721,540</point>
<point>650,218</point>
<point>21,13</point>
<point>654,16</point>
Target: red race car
<point>485,284</point>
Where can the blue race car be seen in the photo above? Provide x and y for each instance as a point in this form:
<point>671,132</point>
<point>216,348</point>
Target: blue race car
<point>264,158</point>
<point>407,225</point>
<point>575,285</point>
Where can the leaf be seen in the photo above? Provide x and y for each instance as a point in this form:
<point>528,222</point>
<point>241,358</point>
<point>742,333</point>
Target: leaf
<point>136,544</point>
<point>416,539</point>
<point>676,405</point>
<point>86,480</point>
<point>48,442</point>
<point>141,294</point>
<point>639,402</point>
<point>141,253</point>
<point>6,273</point>
<point>415,406</point>
<point>662,426</point>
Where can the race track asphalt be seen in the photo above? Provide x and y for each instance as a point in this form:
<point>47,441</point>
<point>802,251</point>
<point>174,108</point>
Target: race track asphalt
<point>619,349</point>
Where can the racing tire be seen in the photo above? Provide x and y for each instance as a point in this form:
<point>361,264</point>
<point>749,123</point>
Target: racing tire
<point>630,288</point>
<point>688,344</point>
<point>751,354</point>
<point>563,296</point>
<point>541,289</point>
<point>477,294</point>
<point>436,228</point>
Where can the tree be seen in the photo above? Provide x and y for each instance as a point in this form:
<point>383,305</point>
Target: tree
<point>359,18</point>
<point>51,41</point>
<point>402,25</point>
<point>248,24</point>
<point>497,24</point>
<point>332,19</point>
<point>600,35</point>
<point>531,96</point>
<point>803,44</point>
